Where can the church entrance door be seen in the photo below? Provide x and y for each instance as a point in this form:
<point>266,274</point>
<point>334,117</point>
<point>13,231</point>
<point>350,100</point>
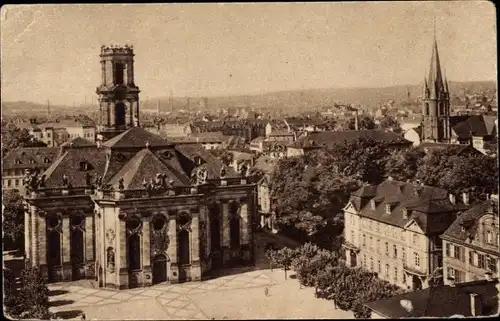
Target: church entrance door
<point>160,269</point>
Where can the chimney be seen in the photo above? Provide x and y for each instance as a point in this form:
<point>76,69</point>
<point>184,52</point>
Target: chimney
<point>475,304</point>
<point>452,199</point>
<point>465,198</point>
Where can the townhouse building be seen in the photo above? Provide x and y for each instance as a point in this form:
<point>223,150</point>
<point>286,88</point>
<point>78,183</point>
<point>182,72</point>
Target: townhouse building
<point>393,229</point>
<point>471,245</point>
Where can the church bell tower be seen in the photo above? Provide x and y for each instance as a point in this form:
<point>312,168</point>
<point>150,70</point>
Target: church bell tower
<point>118,94</point>
<point>436,103</point>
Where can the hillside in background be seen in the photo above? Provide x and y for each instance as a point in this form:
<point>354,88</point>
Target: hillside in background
<point>296,100</point>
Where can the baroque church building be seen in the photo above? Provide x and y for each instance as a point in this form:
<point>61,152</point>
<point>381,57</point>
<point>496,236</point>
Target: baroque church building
<point>134,209</point>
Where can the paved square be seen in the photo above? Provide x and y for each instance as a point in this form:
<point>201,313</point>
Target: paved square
<point>237,296</point>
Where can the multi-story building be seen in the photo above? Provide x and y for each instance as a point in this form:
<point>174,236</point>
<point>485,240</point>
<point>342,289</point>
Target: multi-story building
<point>17,161</point>
<point>393,229</point>
<point>135,209</point>
<point>471,246</point>
<point>329,138</point>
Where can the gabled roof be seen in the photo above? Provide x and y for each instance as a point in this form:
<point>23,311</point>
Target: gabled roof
<point>78,142</point>
<point>329,138</point>
<point>424,204</point>
<point>136,137</point>
<point>441,301</point>
<point>144,166</point>
<point>470,220</point>
<point>30,157</point>
<point>457,148</point>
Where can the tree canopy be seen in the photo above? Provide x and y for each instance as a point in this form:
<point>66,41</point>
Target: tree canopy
<point>391,123</point>
<point>13,137</point>
<point>475,174</point>
<point>13,217</point>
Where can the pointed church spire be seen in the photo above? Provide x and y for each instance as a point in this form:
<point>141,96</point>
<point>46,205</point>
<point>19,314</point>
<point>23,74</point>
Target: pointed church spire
<point>435,78</point>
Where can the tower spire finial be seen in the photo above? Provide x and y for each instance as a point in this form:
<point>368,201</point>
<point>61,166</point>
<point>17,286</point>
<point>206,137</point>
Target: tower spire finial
<point>434,28</point>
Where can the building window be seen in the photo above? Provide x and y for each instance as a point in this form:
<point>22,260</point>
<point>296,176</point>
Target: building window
<point>373,205</point>
<point>41,135</point>
<point>387,208</point>
<point>395,274</point>
<point>456,252</point>
<point>8,183</point>
<point>234,225</point>
<point>364,240</point>
<point>481,261</point>
<point>371,264</point>
<point>379,266</point>
<point>471,258</point>
<point>404,277</point>
<point>378,227</point>
<point>183,239</point>
<point>364,260</point>
<point>352,236</point>
<point>404,254</point>
<point>386,249</point>
<point>387,270</point>
<point>416,259</point>
<point>378,245</point>
<point>371,242</point>
<point>492,264</point>
<point>415,238</point>
<point>48,135</point>
<point>448,249</point>
<point>489,237</point>
<point>395,250</point>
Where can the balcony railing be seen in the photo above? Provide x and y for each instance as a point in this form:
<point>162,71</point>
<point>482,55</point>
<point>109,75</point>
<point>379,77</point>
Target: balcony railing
<point>114,194</point>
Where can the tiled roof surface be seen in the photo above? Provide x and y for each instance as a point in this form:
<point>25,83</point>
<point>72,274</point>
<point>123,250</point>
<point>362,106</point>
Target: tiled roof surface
<point>423,203</point>
<point>213,164</point>
<point>30,157</point>
<point>136,137</point>
<point>78,142</point>
<point>144,166</point>
<point>329,138</point>
<point>457,148</point>
<point>469,220</point>
<point>441,301</point>
<point>475,125</point>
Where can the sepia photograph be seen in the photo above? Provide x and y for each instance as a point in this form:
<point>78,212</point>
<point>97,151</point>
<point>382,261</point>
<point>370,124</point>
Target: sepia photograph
<point>250,161</point>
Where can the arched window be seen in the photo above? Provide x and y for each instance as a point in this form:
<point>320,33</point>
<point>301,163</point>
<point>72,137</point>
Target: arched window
<point>134,244</point>
<point>215,228</point>
<point>159,222</point>
<point>53,241</point>
<point>76,240</point>
<point>234,225</point>
<point>183,239</point>
<point>489,237</point>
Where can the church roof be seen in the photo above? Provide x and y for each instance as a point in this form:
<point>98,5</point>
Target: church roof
<point>144,166</point>
<point>434,83</point>
<point>78,142</point>
<point>136,137</point>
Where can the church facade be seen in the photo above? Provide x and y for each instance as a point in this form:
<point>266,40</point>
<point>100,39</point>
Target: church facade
<point>134,209</point>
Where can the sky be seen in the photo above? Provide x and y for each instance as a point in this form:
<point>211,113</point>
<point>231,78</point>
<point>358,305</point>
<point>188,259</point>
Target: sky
<point>51,52</point>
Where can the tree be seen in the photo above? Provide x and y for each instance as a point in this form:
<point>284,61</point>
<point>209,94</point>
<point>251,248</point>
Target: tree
<point>13,137</point>
<point>391,123</point>
<point>282,258</point>
<point>13,217</point>
<point>475,174</point>
<point>31,301</point>
<point>403,164</point>
<point>364,122</point>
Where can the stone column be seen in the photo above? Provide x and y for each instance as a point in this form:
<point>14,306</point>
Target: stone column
<point>131,113</point>
<point>121,254</point>
<point>108,113</point>
<point>89,247</point>
<point>112,110</point>
<point>130,71</point>
<point>244,222</point>
<point>27,233</point>
<point>103,73</point>
<point>225,237</point>
<point>146,252</point>
<point>34,236</point>
<point>172,250</point>
<point>66,248</point>
<point>195,248</point>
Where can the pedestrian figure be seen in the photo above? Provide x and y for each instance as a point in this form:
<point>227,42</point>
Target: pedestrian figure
<point>266,291</point>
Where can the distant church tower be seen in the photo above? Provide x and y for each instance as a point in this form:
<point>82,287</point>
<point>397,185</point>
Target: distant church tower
<point>436,103</point>
<point>118,94</point>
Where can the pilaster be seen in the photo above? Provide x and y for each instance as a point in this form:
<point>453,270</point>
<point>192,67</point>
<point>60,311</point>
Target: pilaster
<point>225,237</point>
<point>172,250</point>
<point>146,252</point>
<point>66,239</point>
<point>42,241</point>
<point>244,223</point>
<point>121,255</point>
<point>34,236</point>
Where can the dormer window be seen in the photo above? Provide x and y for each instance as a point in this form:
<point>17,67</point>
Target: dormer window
<point>32,161</point>
<point>405,213</point>
<point>46,160</point>
<point>387,208</point>
<point>373,205</point>
<point>198,161</point>
<point>84,166</point>
<point>18,162</point>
